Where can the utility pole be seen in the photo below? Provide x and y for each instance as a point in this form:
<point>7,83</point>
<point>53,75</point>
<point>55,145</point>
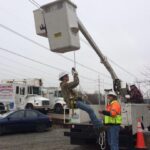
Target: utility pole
<point>99,93</point>
<point>148,90</point>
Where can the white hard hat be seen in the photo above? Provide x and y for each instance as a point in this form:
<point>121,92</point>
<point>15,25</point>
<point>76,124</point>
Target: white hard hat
<point>112,93</point>
<point>127,96</point>
<point>62,74</point>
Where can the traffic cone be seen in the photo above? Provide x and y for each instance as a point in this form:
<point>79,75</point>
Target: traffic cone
<point>140,143</point>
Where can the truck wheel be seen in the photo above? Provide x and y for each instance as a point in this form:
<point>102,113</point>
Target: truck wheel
<point>29,106</point>
<point>58,109</point>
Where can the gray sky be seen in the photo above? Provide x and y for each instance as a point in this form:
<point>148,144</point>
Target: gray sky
<point>120,28</point>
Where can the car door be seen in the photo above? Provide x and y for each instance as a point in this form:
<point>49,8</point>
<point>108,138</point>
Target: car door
<point>31,119</point>
<point>15,121</point>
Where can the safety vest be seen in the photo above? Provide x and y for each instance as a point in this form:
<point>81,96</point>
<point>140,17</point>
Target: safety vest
<point>117,119</point>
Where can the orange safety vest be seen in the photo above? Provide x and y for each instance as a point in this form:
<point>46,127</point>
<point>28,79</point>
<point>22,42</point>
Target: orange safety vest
<point>115,110</point>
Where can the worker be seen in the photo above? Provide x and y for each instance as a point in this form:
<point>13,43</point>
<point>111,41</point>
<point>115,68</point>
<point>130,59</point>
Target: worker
<point>135,95</point>
<point>69,94</point>
<point>112,119</point>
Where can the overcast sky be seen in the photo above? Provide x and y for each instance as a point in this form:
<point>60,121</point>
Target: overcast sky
<point>120,29</point>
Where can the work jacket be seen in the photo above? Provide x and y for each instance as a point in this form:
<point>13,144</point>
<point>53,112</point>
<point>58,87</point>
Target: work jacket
<point>113,113</point>
<point>67,89</point>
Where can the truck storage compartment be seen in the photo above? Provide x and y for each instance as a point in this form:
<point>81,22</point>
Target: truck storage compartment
<point>84,134</point>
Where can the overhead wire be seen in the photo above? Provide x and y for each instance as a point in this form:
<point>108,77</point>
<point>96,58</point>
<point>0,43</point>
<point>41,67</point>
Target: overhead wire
<point>25,65</point>
<point>33,60</point>
<point>8,73</point>
<point>91,69</point>
<point>48,49</point>
<point>42,46</point>
<point>13,72</point>
<point>131,74</point>
<point>35,3</point>
<point>10,67</point>
<point>41,63</point>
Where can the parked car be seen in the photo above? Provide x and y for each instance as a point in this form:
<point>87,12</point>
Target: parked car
<point>24,121</point>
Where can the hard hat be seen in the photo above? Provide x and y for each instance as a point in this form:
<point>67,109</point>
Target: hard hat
<point>127,96</point>
<point>62,74</point>
<point>112,94</point>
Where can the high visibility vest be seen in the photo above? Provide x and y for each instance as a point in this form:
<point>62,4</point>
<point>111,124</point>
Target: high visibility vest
<point>113,120</point>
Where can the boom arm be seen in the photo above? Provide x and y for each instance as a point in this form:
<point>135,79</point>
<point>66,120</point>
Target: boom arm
<point>116,81</point>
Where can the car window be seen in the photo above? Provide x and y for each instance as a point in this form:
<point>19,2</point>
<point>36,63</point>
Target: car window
<point>17,115</point>
<point>31,114</point>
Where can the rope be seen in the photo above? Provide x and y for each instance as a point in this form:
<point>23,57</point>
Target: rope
<point>101,140</point>
<point>72,106</point>
<point>74,59</point>
<point>72,100</point>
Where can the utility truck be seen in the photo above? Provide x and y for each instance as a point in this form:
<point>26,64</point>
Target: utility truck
<point>58,22</point>
<point>57,103</point>
<point>22,94</point>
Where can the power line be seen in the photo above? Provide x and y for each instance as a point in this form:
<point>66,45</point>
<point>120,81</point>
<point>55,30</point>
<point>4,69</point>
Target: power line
<point>131,74</point>
<point>6,67</point>
<point>12,71</point>
<point>33,60</point>
<point>35,3</point>
<point>40,45</point>
<point>8,73</point>
<point>38,6</point>
<point>24,65</point>
<point>94,81</point>
<point>36,61</point>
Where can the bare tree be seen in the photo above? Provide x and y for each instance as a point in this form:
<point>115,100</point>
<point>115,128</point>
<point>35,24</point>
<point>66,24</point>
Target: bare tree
<point>146,82</point>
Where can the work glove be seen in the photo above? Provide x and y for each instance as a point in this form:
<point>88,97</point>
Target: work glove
<point>104,112</point>
<point>74,71</point>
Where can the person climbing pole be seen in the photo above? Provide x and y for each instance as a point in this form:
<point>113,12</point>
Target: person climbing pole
<point>69,95</point>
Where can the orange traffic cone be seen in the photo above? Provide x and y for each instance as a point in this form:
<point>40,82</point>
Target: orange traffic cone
<point>140,143</point>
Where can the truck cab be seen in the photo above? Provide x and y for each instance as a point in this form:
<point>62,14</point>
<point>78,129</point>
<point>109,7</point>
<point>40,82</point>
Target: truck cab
<point>57,102</point>
<point>23,94</point>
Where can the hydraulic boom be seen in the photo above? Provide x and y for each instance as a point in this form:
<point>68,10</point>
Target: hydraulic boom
<point>116,80</point>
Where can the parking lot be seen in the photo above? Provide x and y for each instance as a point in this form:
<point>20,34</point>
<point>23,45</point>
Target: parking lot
<point>51,140</point>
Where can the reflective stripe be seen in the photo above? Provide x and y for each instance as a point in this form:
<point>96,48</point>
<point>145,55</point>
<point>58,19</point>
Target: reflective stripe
<point>113,120</point>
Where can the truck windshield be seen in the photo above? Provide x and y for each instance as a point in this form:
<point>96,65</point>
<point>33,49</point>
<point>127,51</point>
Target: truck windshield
<point>58,94</point>
<point>34,90</point>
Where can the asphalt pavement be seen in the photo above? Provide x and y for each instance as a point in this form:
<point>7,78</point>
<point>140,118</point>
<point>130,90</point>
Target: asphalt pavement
<point>53,139</point>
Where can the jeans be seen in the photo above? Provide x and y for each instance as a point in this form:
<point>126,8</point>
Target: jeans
<point>113,137</point>
<point>95,121</point>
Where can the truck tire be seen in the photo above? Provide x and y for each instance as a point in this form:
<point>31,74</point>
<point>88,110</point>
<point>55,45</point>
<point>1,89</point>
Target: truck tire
<point>29,106</point>
<point>58,109</point>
